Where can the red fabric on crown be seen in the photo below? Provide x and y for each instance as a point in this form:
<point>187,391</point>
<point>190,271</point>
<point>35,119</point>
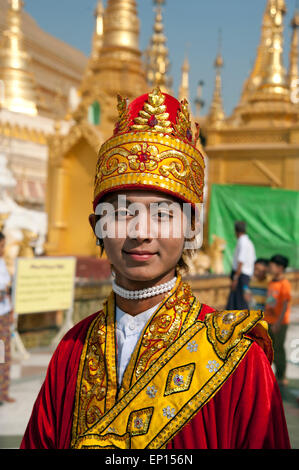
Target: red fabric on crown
<point>171,103</point>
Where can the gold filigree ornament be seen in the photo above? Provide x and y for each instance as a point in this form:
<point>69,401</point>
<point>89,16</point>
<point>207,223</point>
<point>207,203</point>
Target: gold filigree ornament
<point>153,116</point>
<point>123,123</point>
<point>179,379</point>
<point>183,126</point>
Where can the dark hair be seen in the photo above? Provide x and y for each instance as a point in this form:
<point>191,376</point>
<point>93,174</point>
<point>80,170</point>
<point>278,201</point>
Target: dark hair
<point>240,226</point>
<point>280,260</point>
<point>2,236</point>
<point>263,261</point>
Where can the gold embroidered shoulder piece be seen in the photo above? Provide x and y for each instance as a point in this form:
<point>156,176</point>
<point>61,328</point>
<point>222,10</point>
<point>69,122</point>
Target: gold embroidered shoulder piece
<point>226,328</point>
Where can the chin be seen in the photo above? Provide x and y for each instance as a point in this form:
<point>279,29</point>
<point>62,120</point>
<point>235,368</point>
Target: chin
<point>143,273</point>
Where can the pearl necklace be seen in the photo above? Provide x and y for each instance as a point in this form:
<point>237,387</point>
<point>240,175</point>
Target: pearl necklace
<point>143,293</point>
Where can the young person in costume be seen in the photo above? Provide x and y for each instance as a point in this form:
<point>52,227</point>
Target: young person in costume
<point>156,368</point>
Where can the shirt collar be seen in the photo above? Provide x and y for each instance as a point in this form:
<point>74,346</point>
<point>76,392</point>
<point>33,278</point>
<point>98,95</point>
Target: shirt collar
<point>123,318</point>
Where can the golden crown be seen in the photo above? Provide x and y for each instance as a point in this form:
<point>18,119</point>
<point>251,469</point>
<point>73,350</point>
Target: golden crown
<point>152,147</point>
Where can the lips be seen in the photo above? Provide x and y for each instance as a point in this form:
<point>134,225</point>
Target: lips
<point>136,252</point>
<point>139,255</point>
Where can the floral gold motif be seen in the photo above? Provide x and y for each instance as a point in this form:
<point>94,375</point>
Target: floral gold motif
<point>144,157</point>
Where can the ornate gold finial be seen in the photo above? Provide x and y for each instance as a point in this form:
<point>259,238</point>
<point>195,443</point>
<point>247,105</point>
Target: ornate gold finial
<point>156,55</point>
<point>216,114</point>
<point>15,71</point>
<point>121,25</point>
<point>99,30</point>
<point>258,70</point>
<point>184,92</point>
<point>274,83</point>
<point>97,44</point>
<point>293,75</point>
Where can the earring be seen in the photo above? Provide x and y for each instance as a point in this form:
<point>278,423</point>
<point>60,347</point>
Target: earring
<point>98,242</point>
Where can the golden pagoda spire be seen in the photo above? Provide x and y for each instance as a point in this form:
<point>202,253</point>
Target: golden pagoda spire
<point>274,84</point>
<point>121,26</point>
<point>293,75</point>
<point>19,89</point>
<point>120,56</point>
<point>115,65</point>
<point>270,103</point>
<point>97,44</point>
<point>216,113</point>
<point>157,61</point>
<point>184,92</point>
<point>257,73</point>
<point>99,31</point>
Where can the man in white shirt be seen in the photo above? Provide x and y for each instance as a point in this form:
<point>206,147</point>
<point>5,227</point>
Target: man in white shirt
<point>242,268</point>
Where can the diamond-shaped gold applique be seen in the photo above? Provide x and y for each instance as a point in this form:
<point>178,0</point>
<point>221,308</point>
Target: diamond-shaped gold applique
<point>179,379</point>
<point>139,421</point>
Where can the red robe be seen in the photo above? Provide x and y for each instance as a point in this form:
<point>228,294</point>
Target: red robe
<point>246,413</point>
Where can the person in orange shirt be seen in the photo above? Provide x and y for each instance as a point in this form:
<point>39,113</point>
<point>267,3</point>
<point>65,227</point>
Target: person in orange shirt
<point>277,312</point>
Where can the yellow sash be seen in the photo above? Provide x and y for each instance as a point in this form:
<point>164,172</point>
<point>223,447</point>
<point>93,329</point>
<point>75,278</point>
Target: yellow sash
<point>177,367</point>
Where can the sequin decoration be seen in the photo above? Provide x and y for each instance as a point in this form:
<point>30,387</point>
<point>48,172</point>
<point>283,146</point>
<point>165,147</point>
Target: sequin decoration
<point>213,366</point>
<point>169,412</point>
<point>229,318</point>
<point>178,379</point>
<point>192,346</point>
<point>151,391</point>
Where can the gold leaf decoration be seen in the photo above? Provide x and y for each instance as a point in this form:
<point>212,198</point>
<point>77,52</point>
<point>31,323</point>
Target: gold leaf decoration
<point>183,125</point>
<point>123,123</point>
<point>153,116</point>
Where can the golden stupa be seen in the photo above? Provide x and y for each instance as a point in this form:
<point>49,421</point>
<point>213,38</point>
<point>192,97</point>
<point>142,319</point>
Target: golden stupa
<point>115,67</point>
<point>259,143</point>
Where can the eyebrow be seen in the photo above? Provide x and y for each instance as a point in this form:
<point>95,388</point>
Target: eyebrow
<point>114,199</point>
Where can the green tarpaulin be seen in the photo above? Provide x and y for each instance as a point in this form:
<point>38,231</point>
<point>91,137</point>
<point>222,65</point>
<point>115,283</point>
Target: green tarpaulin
<point>272,217</point>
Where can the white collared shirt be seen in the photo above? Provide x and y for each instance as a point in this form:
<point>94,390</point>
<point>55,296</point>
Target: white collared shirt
<point>245,254</point>
<point>128,331</point>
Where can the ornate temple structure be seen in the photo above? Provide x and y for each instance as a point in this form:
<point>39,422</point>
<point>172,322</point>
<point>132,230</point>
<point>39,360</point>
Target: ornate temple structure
<point>37,72</point>
<point>259,143</point>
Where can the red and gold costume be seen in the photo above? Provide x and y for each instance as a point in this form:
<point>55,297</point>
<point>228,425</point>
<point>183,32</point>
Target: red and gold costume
<point>198,378</point>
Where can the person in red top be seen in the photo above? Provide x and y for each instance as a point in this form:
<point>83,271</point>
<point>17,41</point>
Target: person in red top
<point>194,378</point>
<point>277,312</point>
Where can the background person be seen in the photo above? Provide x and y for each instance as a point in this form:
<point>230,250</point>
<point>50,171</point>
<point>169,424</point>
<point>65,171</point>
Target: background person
<point>6,319</point>
<point>277,313</point>
<point>256,292</point>
<point>242,269</point>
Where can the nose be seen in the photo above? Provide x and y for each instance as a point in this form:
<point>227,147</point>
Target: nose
<point>139,227</point>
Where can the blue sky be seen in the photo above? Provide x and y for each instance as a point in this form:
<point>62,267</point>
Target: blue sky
<point>190,25</point>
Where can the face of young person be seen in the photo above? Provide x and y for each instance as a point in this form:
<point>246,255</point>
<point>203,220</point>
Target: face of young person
<point>275,269</point>
<point>149,236</point>
<point>260,271</point>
